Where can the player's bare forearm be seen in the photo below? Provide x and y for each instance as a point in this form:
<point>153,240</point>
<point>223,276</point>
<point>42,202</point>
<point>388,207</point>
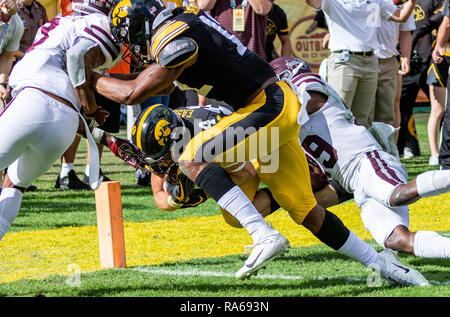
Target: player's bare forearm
<point>159,195</point>
<point>87,99</point>
<point>149,82</point>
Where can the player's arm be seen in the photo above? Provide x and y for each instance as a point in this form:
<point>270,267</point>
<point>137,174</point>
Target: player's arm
<point>401,15</point>
<point>171,60</point>
<point>82,59</point>
<point>159,195</point>
<point>261,7</point>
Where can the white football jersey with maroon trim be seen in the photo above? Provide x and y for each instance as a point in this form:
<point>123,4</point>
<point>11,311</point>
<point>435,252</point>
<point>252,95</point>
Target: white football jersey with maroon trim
<point>331,135</point>
<point>44,64</point>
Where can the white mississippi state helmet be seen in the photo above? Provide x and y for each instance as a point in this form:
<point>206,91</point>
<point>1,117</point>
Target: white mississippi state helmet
<point>92,6</point>
<point>288,67</point>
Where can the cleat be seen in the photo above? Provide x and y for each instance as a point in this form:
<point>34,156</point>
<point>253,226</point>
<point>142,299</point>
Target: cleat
<point>71,181</point>
<point>264,251</point>
<point>101,174</point>
<point>393,270</point>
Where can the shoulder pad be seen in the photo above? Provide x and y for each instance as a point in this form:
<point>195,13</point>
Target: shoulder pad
<point>177,52</point>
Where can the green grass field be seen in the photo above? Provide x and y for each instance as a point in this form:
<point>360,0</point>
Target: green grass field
<point>52,250</point>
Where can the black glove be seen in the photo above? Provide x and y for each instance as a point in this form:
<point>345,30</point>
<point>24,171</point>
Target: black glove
<point>179,187</point>
<point>197,197</point>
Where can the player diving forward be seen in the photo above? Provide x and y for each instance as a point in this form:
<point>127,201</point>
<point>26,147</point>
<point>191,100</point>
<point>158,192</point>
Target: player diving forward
<point>190,47</point>
<point>351,155</point>
<point>51,84</point>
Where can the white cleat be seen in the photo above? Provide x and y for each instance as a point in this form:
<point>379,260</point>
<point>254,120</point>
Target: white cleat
<point>264,251</point>
<point>392,269</point>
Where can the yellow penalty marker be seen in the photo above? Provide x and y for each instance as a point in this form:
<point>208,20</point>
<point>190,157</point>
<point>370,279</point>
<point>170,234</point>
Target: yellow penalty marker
<point>111,241</point>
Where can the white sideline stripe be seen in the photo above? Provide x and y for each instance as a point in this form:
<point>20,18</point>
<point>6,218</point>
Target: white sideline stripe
<point>222,274</point>
<point>259,276</point>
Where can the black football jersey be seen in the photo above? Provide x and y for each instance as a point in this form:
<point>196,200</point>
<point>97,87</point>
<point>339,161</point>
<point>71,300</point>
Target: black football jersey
<point>199,118</point>
<point>224,70</point>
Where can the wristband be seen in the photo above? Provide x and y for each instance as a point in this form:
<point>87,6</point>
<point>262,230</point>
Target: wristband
<point>4,85</point>
<point>97,134</point>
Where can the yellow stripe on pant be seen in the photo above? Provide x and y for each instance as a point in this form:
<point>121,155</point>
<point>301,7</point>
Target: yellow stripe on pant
<point>283,165</point>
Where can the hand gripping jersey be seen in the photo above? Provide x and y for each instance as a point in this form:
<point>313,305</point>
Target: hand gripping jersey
<point>224,68</point>
<point>331,135</point>
<point>44,64</point>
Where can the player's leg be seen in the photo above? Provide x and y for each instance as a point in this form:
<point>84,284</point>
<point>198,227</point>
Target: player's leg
<point>390,228</point>
<point>68,178</point>
<point>46,132</point>
<point>291,189</point>
<point>236,138</point>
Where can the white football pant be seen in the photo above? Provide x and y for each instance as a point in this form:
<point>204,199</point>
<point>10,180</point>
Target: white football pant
<point>35,130</point>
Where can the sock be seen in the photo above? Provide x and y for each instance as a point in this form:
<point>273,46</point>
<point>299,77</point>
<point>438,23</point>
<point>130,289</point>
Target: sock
<point>86,170</point>
<point>359,250</point>
<point>65,169</point>
<point>216,182</point>
<point>433,183</point>
<point>240,207</point>
<point>10,201</point>
<point>430,244</point>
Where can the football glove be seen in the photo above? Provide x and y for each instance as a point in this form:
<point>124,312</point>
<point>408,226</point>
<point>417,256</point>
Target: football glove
<point>127,152</point>
<point>179,187</point>
<point>98,117</point>
<point>197,197</point>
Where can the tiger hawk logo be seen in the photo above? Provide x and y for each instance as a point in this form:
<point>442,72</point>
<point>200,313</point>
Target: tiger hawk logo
<point>162,132</point>
<point>120,11</point>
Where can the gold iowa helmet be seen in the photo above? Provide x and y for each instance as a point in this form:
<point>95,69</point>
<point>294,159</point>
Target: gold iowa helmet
<point>132,23</point>
<point>152,131</point>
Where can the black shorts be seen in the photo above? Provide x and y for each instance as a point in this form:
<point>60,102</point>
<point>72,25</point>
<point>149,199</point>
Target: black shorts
<point>438,74</point>
<point>112,123</point>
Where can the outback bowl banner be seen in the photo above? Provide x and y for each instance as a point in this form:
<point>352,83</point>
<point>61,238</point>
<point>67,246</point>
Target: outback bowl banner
<point>305,46</point>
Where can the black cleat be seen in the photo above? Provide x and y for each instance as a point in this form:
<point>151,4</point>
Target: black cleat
<point>105,178</point>
<point>71,181</point>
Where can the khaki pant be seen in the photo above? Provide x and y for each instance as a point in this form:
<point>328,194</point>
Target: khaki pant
<point>356,82</point>
<point>383,110</point>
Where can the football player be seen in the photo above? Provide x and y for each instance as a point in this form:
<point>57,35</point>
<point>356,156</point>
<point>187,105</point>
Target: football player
<point>51,85</point>
<point>191,48</point>
<point>173,190</point>
<point>353,156</point>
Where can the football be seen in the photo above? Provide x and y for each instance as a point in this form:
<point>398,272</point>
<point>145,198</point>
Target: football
<point>399,2</point>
